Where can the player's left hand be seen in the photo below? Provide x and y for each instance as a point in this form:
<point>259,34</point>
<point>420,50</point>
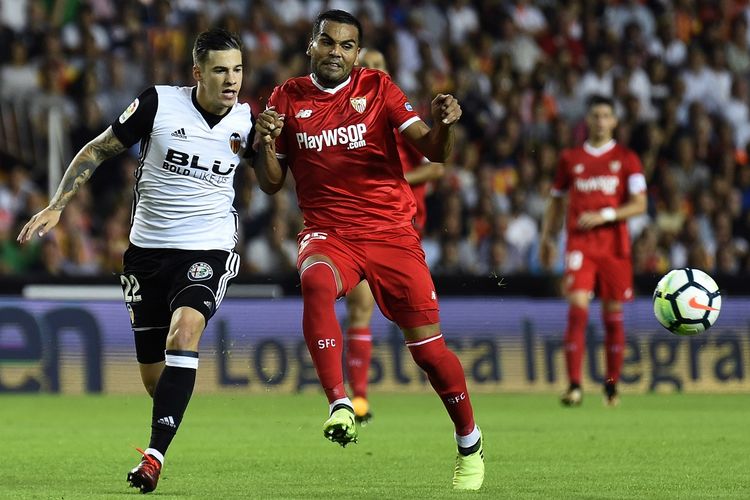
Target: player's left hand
<point>40,224</point>
<point>590,220</point>
<point>445,109</point>
<point>268,125</point>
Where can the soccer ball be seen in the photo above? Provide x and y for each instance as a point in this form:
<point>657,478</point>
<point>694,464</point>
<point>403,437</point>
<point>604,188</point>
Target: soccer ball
<point>687,301</point>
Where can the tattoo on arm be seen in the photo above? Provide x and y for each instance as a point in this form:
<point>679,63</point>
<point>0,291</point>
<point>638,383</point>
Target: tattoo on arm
<point>105,146</point>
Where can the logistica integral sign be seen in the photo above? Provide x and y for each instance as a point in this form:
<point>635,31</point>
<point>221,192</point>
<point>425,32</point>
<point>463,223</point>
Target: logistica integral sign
<point>256,345</point>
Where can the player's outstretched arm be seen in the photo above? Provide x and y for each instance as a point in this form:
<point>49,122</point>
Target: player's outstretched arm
<point>436,143</point>
<point>105,146</point>
<point>551,223</point>
<point>270,172</point>
<point>426,172</point>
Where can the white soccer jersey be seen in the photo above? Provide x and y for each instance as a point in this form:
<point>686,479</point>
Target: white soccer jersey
<point>184,189</point>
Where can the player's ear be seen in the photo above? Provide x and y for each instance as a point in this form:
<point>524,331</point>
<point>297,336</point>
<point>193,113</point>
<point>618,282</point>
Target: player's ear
<point>356,60</point>
<point>197,73</point>
<point>309,48</point>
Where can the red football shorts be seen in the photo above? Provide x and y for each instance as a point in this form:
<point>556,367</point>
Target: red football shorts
<point>609,276</point>
<point>391,261</point>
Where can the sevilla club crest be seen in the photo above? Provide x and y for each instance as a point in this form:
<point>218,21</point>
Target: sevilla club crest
<point>359,103</point>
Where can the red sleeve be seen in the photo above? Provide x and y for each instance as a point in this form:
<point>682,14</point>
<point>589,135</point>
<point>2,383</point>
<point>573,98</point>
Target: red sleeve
<point>400,111</point>
<point>561,183</point>
<point>278,100</point>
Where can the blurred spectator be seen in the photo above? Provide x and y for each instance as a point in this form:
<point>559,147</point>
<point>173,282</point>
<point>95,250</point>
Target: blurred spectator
<point>738,49</point>
<point>598,80</point>
<point>274,252</point>
<point>85,25</point>
<point>18,78</point>
<point>737,112</point>
<point>463,21</point>
<point>617,15</point>
<point>666,46</point>
<point>15,192</point>
<point>698,79</point>
<point>689,174</point>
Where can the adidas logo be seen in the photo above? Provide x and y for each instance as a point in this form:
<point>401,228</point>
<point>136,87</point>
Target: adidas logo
<point>169,421</point>
<point>179,133</point>
<point>208,304</point>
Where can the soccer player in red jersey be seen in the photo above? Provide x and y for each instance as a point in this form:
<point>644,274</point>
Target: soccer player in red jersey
<point>605,186</point>
<point>334,130</point>
<point>360,303</point>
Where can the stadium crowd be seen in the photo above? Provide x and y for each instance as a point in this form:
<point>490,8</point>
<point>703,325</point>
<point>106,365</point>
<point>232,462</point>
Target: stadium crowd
<point>522,71</point>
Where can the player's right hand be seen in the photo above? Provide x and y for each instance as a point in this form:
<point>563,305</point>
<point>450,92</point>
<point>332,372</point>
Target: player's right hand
<point>41,223</point>
<point>268,125</point>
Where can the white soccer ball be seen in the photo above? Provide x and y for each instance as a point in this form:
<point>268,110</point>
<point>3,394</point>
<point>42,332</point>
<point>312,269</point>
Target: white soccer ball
<point>687,301</point>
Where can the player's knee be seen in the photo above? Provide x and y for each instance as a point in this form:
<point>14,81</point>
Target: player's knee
<point>319,280</point>
<point>359,313</point>
<point>428,359</point>
<point>185,331</point>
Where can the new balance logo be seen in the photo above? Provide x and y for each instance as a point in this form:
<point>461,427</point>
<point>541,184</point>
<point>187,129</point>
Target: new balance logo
<point>304,113</point>
<point>179,133</point>
<point>168,421</point>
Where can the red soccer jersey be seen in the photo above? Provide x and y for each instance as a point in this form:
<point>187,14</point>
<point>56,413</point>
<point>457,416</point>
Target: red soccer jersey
<point>595,179</point>
<point>412,158</point>
<point>340,146</point>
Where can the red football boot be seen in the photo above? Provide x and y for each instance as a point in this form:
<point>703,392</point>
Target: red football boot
<point>146,474</point>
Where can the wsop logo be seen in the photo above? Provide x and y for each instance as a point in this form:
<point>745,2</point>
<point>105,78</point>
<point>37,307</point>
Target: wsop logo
<point>200,271</point>
<point>235,141</point>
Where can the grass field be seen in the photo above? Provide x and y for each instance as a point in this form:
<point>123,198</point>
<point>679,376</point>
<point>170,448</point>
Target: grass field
<point>271,446</point>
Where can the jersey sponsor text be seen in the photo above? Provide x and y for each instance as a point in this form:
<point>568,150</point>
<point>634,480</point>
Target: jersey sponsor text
<point>353,136</point>
<point>605,183</point>
<point>185,164</point>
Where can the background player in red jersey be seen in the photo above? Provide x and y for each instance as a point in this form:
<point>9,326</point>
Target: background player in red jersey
<point>605,186</point>
<point>334,130</point>
<point>360,303</point>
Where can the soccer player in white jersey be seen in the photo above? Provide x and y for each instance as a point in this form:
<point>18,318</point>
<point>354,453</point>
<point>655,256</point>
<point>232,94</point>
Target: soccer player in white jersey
<point>180,259</point>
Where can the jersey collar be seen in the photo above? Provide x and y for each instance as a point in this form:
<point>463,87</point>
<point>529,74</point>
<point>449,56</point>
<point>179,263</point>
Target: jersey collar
<point>334,89</point>
<point>604,148</point>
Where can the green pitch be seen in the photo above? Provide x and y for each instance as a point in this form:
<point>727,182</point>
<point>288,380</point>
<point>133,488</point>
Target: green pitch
<point>271,446</point>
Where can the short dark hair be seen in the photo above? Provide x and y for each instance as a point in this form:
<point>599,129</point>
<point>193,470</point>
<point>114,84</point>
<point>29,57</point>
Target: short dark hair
<point>214,39</point>
<point>338,16</point>
<point>597,99</point>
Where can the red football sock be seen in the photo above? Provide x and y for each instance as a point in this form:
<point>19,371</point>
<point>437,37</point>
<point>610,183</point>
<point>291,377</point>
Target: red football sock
<point>321,328</point>
<point>575,336</point>
<point>358,354</point>
<point>447,378</point>
<point>614,343</point>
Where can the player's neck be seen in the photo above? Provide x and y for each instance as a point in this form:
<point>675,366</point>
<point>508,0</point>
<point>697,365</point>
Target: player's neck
<point>204,103</point>
<point>328,86</point>
<point>598,142</point>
